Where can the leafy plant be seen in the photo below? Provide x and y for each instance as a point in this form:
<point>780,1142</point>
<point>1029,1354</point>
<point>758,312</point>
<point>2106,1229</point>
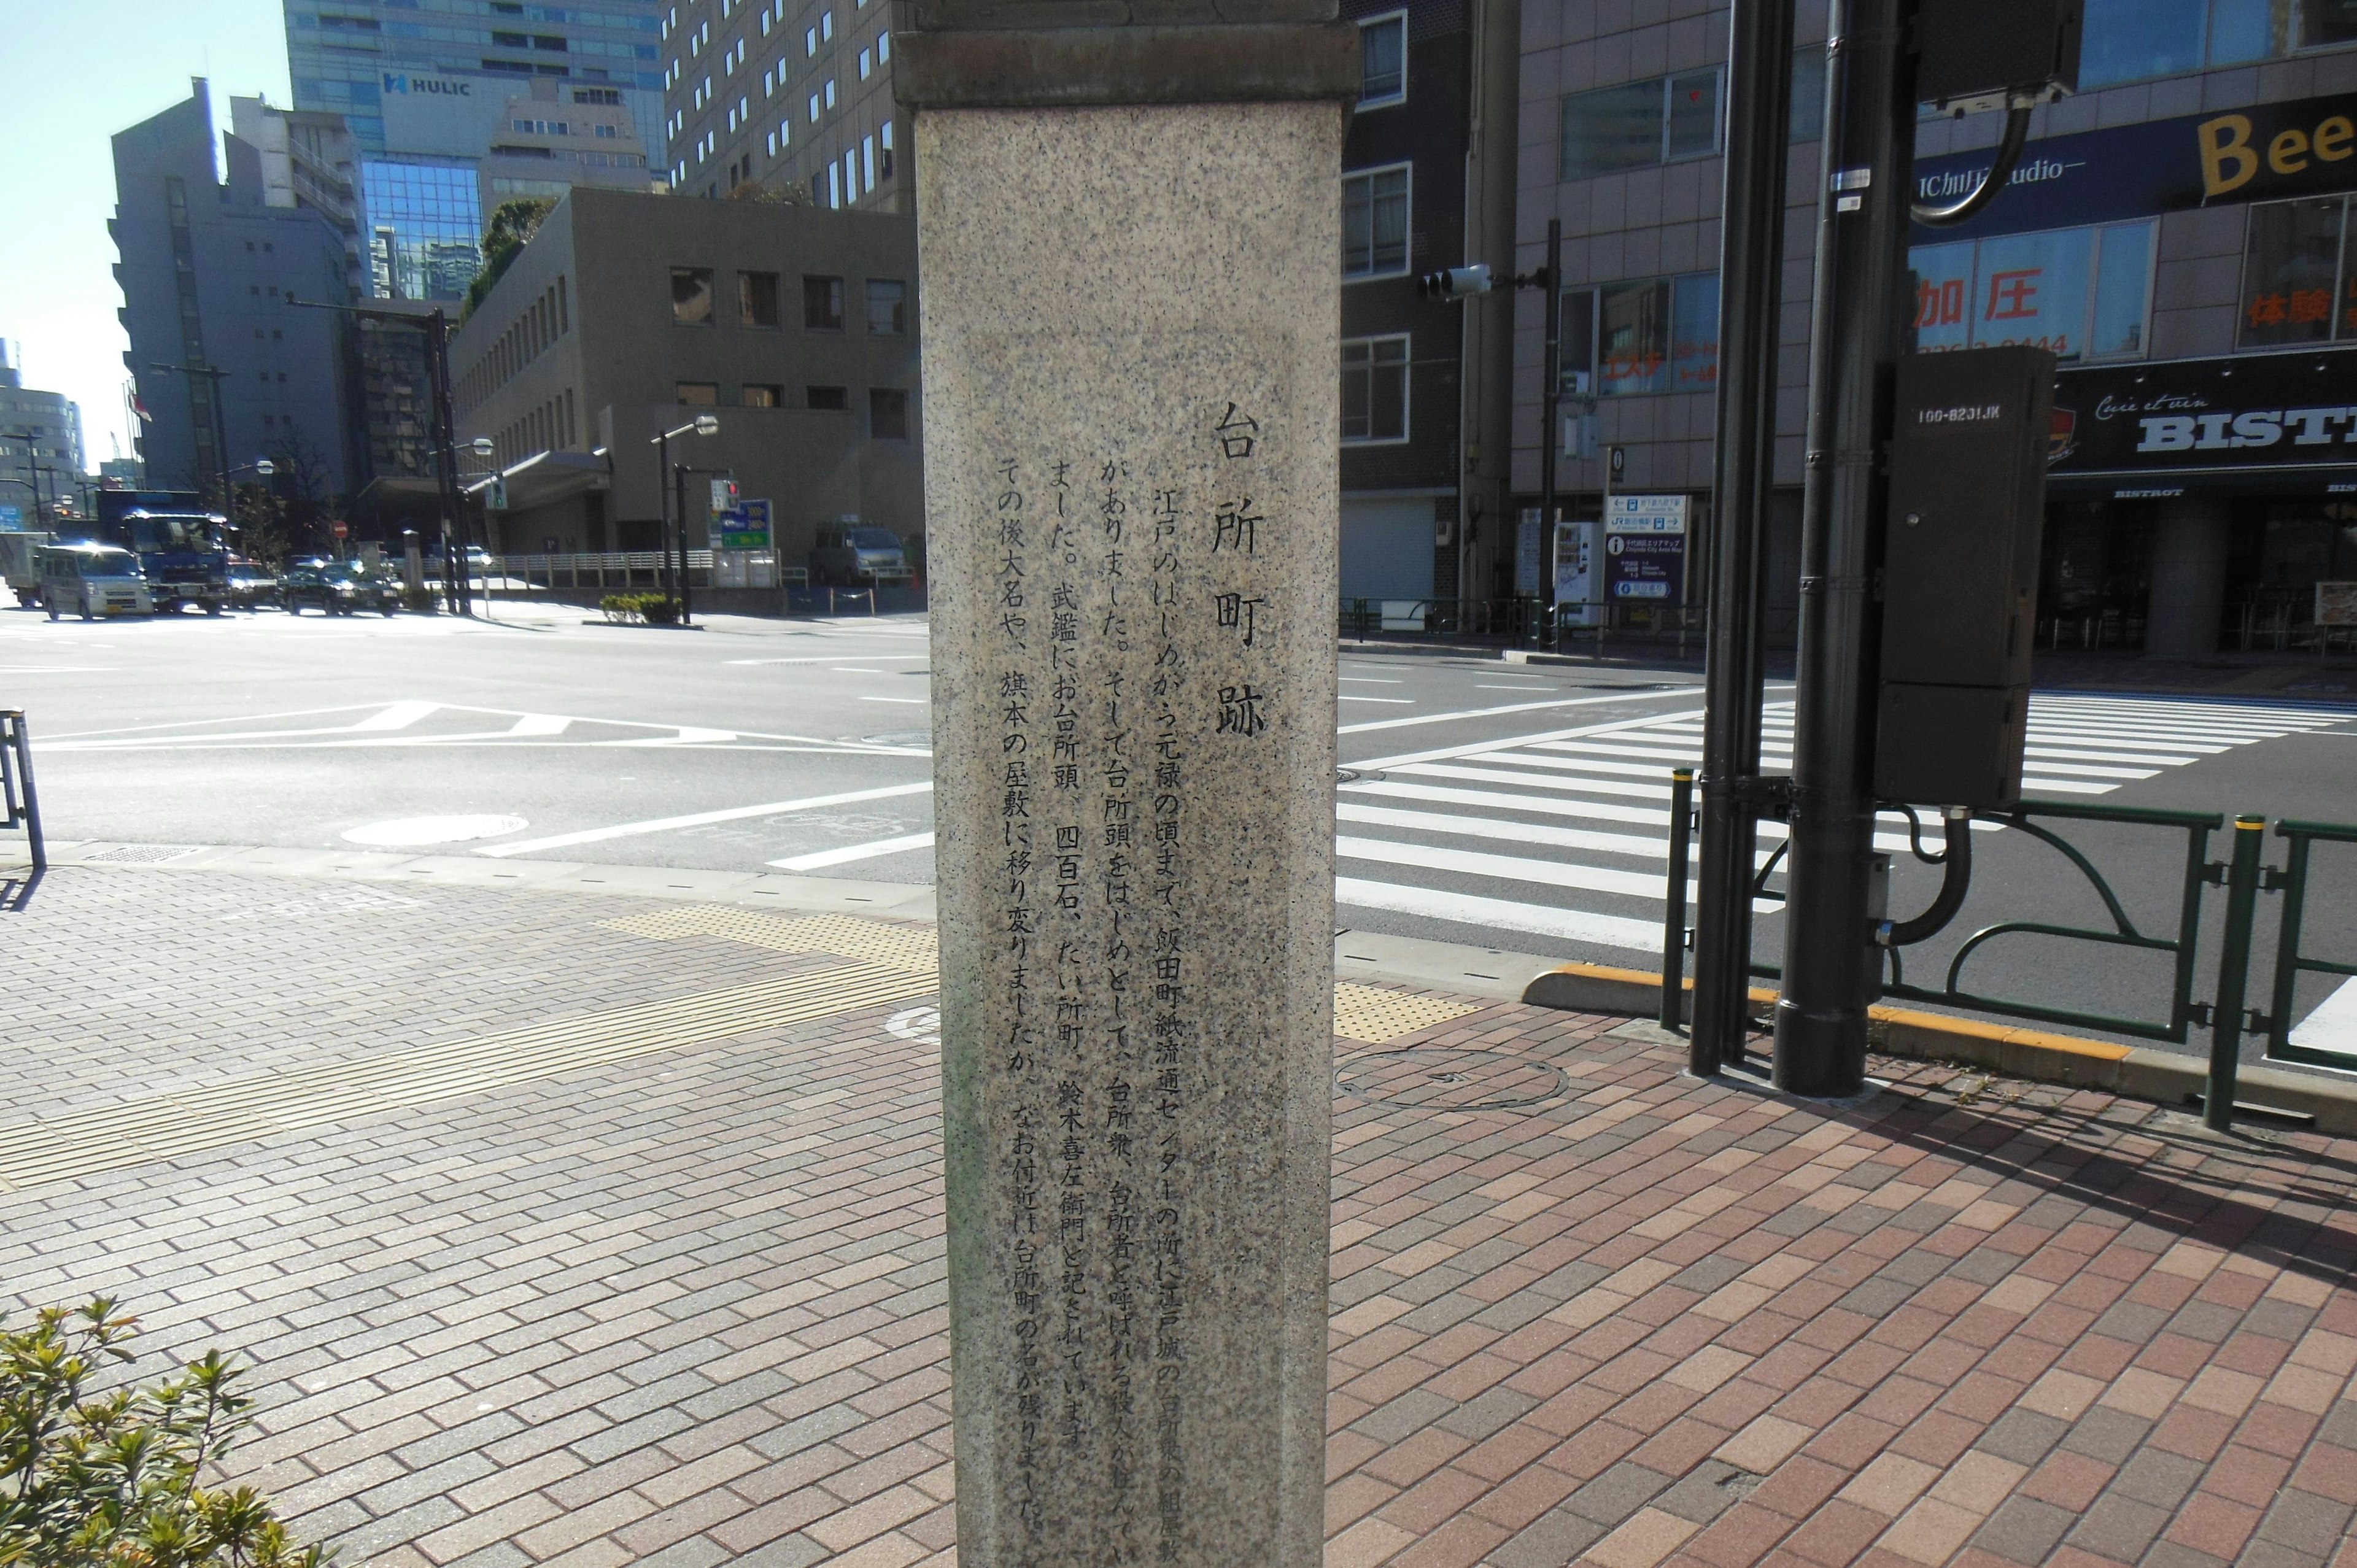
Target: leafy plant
<point>653,610</point>
<point>113,1479</point>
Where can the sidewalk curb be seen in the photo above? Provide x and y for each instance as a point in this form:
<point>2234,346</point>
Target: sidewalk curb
<point>2139,1072</point>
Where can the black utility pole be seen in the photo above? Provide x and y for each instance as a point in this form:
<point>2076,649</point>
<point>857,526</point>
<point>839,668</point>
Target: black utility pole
<point>456,570</point>
<point>1550,434</point>
<point>1856,324</point>
<point>679,521</point>
<point>1752,268</point>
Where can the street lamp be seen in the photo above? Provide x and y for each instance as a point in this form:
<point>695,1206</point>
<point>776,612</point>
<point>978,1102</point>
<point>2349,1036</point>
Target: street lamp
<point>668,479</point>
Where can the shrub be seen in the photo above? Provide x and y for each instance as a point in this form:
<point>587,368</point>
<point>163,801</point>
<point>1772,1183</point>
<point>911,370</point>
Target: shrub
<point>651,609</point>
<point>423,600</point>
<point>113,1479</point>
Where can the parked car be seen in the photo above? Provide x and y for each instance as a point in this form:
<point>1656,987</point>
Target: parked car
<point>857,554</point>
<point>252,585</point>
<point>337,587</point>
<point>93,580</point>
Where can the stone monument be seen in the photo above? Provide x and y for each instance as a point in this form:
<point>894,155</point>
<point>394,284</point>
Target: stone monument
<point>1128,218</point>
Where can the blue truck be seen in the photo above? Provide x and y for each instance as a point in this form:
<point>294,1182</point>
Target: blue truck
<point>182,546</point>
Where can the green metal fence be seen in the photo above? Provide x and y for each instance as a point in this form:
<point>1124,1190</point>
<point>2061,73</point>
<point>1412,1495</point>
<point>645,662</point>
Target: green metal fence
<point>2292,881</point>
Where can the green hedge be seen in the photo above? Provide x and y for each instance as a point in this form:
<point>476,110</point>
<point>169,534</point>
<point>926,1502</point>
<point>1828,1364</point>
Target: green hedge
<point>648,609</point>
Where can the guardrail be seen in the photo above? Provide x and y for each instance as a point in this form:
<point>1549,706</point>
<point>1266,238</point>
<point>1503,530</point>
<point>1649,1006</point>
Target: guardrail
<point>2242,875</point>
<point>20,805</point>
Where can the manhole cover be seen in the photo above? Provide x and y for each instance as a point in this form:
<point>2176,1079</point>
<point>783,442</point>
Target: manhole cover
<point>1451,1080</point>
<point>142,853</point>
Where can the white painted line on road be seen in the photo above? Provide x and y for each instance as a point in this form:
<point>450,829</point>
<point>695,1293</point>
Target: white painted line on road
<point>834,658</point>
<point>702,819</point>
<point>918,702</point>
<point>1516,686</point>
<point>2333,1025</point>
<point>1508,868</point>
<point>1443,753</point>
<point>541,724</point>
<point>1509,832</point>
<point>1403,702</point>
<point>1368,680</point>
<point>394,716</point>
<point>1499,914</point>
<point>850,852</point>
<point>860,670</point>
<point>57,669</point>
<point>1634,695</point>
<point>1539,781</point>
<point>688,735</point>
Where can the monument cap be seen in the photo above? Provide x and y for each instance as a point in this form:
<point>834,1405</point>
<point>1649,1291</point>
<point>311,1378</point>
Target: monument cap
<point>1015,54</point>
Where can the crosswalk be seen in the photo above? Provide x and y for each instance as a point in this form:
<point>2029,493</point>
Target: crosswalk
<point>1565,833</point>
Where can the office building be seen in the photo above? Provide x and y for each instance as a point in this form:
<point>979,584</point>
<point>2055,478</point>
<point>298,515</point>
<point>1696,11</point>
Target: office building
<point>308,160</point>
<point>428,89</point>
<point>2174,233</point>
<point>792,95</point>
<point>209,267</point>
<point>1427,183</point>
<point>41,448</point>
<point>629,314</point>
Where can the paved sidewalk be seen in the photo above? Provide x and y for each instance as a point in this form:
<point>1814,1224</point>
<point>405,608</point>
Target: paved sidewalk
<point>572,1227</point>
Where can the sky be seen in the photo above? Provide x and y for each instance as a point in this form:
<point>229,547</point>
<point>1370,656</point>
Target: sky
<point>77,73</point>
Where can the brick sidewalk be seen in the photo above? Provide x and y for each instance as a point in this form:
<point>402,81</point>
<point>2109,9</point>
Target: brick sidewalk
<point>684,1304</point>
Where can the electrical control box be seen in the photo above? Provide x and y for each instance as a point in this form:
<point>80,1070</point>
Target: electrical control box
<point>1967,500</point>
<point>1973,54</point>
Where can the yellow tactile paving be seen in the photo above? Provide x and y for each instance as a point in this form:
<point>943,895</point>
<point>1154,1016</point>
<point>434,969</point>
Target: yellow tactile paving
<point>169,1126</point>
<point>908,946</point>
<point>1371,1016</point>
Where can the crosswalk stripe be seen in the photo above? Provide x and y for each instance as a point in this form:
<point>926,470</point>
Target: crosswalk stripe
<point>1510,833</point>
<point>1512,867</point>
<point>1594,811</point>
<point>1537,780</point>
<point>1501,913</point>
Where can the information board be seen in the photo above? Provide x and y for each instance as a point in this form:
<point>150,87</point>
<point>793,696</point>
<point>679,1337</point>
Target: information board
<point>745,526</point>
<point>1645,549</point>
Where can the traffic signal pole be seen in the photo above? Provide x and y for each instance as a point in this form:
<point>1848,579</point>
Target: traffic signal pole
<point>1751,274</point>
<point>1856,326</point>
<point>1551,432</point>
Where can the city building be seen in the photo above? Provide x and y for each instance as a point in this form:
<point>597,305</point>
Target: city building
<point>429,93</point>
<point>2174,233</point>
<point>1427,183</point>
<point>796,96</point>
<point>308,160</point>
<point>629,314</point>
<point>40,450</point>
<point>123,473</point>
<point>227,370</point>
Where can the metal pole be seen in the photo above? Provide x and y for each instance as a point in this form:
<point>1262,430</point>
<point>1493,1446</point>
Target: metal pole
<point>1673,920</point>
<point>683,592</point>
<point>1830,966</point>
<point>662,505</point>
<point>1551,432</point>
<point>24,743</point>
<point>456,567</point>
<point>1752,268</point>
<point>2233,973</point>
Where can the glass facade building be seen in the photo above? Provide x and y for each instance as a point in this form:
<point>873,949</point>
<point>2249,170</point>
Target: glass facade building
<point>425,225</point>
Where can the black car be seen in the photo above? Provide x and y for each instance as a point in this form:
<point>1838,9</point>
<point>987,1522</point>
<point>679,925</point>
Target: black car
<point>337,587</point>
<point>251,585</point>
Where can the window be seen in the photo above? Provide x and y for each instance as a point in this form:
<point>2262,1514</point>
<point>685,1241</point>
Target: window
<point>888,413</point>
<point>823,304</point>
<point>813,108</point>
<point>757,298</point>
<point>810,41</point>
<point>831,399</point>
<point>1807,123</point>
<point>2128,41</point>
<point>887,307</point>
<point>699,395</point>
<point>2294,263</point>
<point>883,48</point>
<point>2328,22</point>
<point>884,152</point>
<point>866,64</point>
<point>830,93</point>
<point>1660,120</point>
<point>1653,335</point>
<point>834,183</point>
<point>866,163</point>
<point>826,24</point>
<point>759,395</point>
<point>690,296</point>
<point>1383,61</point>
<point>1374,389</point>
<point>2080,293</point>
<point>1374,223</point>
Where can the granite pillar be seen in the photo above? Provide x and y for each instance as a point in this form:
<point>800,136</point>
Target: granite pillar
<point>1129,239</point>
<point>2189,577</point>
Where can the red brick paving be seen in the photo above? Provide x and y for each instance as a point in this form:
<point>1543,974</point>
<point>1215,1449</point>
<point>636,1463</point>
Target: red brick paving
<point>689,1310</point>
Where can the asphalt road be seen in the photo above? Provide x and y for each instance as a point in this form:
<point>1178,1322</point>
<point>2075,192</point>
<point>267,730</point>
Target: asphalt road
<point>1518,806</point>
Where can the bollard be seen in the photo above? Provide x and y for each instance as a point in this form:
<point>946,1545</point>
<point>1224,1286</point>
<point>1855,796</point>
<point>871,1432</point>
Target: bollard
<point>1674,920</point>
<point>12,733</point>
<point>2234,971</point>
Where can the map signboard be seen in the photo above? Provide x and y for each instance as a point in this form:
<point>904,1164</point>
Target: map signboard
<point>1645,549</point>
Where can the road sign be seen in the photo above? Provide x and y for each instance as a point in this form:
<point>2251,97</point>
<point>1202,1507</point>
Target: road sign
<point>1645,549</point>
<point>342,529</point>
<point>745,526</point>
<point>12,519</point>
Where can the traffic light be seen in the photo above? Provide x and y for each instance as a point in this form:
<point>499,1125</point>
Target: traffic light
<point>1456,282</point>
<point>724,495</point>
<point>1989,54</point>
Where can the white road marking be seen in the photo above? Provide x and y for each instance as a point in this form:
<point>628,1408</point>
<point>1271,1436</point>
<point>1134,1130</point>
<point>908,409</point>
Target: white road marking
<point>1404,701</point>
<point>541,724</point>
<point>1538,780</point>
<point>1634,695</point>
<point>918,701</point>
<point>2333,1025</point>
<point>57,669</point>
<point>850,852</point>
<point>1508,833</point>
<point>703,818</point>
<point>832,657</point>
<point>1499,914</point>
<point>395,715</point>
<point>1368,680</point>
<point>1509,868</point>
<point>417,833</point>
